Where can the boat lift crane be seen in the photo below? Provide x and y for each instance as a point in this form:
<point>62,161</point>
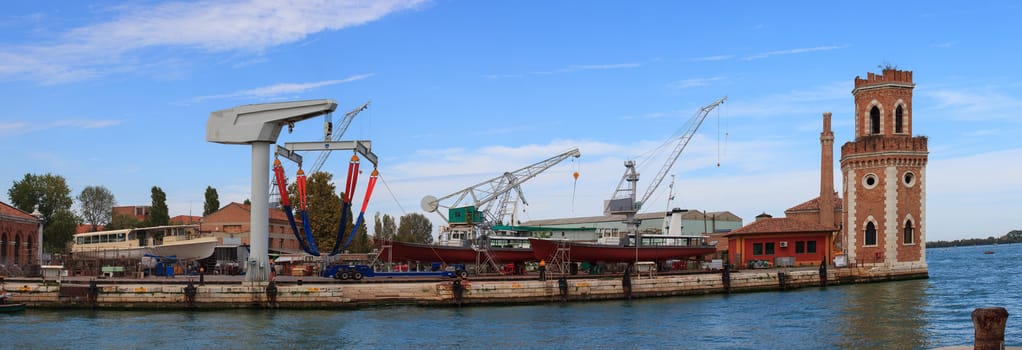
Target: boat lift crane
<point>485,203</point>
<point>259,125</point>
<point>623,201</point>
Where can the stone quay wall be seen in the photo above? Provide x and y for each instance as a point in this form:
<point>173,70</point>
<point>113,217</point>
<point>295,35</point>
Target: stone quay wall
<point>162,295</point>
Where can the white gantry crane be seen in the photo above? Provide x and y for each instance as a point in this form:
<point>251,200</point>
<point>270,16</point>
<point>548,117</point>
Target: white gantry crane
<point>332,133</point>
<point>484,204</point>
<point>624,200</point>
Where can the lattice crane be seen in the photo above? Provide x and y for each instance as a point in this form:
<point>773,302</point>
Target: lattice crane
<point>623,201</point>
<point>486,202</point>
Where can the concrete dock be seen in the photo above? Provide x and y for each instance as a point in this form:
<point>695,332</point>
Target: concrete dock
<point>185,292</point>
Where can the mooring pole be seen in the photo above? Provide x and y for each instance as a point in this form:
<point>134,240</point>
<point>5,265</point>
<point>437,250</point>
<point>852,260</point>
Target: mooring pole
<point>989,327</point>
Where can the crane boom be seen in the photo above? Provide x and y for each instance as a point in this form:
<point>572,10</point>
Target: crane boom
<point>481,195</point>
<point>694,124</point>
<point>338,132</point>
<point>624,200</point>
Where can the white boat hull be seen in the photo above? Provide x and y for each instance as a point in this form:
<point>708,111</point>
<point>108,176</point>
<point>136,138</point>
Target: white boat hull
<point>191,249</point>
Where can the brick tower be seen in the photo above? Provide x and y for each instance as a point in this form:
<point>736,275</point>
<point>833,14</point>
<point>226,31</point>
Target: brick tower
<point>884,173</point>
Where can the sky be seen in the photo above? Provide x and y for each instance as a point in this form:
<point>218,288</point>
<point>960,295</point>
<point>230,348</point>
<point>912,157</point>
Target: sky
<point>118,94</point>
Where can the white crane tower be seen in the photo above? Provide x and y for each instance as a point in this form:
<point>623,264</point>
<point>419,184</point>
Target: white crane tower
<point>624,201</point>
<point>484,204</point>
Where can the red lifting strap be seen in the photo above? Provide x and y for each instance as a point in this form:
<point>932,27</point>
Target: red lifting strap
<point>301,189</point>
<point>349,185</point>
<point>369,190</point>
<point>278,172</point>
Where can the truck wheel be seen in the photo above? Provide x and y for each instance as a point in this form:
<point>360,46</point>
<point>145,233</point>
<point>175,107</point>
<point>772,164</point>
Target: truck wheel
<point>462,273</point>
<point>345,275</point>
<point>357,276</point>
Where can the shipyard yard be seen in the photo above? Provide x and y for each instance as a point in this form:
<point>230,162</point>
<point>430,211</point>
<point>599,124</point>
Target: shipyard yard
<point>454,174</point>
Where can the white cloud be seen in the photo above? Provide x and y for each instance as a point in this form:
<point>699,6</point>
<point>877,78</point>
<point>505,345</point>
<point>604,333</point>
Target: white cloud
<point>817,100</point>
<point>694,82</point>
<point>283,89</point>
<point>791,52</point>
<point>569,69</point>
<point>208,26</point>
<point>12,128</point>
<point>972,105</point>
<point>714,58</point>
<point>575,68</point>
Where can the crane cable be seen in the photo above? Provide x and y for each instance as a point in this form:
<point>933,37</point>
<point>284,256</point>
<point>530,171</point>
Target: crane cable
<point>574,167</point>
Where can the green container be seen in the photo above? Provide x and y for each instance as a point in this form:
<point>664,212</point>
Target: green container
<point>464,215</point>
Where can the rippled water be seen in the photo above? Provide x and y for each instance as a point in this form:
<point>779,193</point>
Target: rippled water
<point>894,315</point>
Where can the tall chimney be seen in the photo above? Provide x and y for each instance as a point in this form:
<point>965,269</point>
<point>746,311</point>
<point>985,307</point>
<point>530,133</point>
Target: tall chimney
<point>827,173</point>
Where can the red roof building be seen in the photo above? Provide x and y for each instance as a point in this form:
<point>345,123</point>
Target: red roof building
<point>780,241</point>
<point>232,226</point>
<point>20,237</point>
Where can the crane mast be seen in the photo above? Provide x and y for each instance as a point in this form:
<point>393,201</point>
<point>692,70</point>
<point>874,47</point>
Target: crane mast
<point>485,203</point>
<point>624,200</point>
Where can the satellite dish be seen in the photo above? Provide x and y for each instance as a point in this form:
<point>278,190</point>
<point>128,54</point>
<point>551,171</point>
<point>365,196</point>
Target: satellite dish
<point>429,203</point>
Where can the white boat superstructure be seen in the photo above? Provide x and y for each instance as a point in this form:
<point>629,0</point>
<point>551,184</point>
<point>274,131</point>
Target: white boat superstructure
<point>182,241</point>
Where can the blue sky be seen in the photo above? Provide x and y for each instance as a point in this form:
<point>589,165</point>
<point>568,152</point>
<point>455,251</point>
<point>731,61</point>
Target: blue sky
<point>118,94</point>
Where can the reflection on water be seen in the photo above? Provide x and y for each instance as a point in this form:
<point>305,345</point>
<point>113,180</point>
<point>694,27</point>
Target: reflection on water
<point>882,315</point>
<point>894,315</point>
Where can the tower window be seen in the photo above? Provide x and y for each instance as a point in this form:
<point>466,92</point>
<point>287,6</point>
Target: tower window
<point>871,234</point>
<point>910,179</point>
<point>898,121</point>
<point>909,238</point>
<point>874,121</point>
<point>869,181</point>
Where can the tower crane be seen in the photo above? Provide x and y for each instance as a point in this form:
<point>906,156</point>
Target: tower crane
<point>484,204</point>
<point>624,200</point>
<point>335,131</point>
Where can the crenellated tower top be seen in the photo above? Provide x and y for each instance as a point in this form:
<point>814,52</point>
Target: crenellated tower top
<point>890,75</point>
<point>883,104</point>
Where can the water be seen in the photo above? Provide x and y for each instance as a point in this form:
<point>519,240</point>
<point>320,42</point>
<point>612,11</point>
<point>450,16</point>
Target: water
<point>894,315</point>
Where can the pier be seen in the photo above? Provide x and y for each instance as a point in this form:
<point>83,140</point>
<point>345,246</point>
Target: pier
<point>224,292</point>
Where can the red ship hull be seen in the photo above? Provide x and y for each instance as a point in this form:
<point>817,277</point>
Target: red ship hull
<point>545,250</point>
<point>404,251</point>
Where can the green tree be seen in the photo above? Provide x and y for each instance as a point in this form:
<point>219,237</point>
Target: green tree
<point>415,228</point>
<point>389,227</point>
<point>324,208</point>
<point>97,205</point>
<point>159,215</point>
<point>377,227</point>
<point>53,196</point>
<point>212,201</point>
<point>59,231</point>
<point>247,202</point>
<point>121,221</point>
<point>361,243</point>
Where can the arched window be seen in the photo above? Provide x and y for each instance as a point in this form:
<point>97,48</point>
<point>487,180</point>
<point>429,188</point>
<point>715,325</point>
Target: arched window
<point>28,250</point>
<point>909,233</point>
<point>898,121</point>
<point>3,248</point>
<point>874,120</point>
<point>871,234</point>
<point>17,246</point>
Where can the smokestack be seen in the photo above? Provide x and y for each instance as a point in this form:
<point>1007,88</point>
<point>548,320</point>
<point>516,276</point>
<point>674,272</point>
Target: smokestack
<point>827,173</point>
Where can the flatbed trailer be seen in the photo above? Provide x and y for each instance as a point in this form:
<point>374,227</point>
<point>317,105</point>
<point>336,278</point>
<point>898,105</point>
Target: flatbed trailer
<point>357,272</point>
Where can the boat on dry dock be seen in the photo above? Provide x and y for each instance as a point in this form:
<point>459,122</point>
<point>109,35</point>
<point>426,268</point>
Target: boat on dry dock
<point>501,249</point>
<point>182,241</point>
